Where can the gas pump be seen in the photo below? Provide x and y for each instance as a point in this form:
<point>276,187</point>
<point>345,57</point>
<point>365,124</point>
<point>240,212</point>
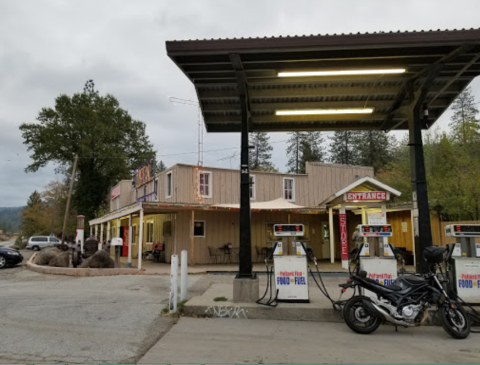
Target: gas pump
<point>463,264</point>
<point>291,275</point>
<point>376,254</point>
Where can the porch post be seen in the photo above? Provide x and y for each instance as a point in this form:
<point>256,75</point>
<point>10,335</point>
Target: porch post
<point>108,234</point>
<point>343,236</point>
<point>192,238</point>
<point>140,240</point>
<point>91,230</point>
<point>101,237</point>
<point>332,235</point>
<point>118,227</point>
<point>96,231</point>
<point>129,262</point>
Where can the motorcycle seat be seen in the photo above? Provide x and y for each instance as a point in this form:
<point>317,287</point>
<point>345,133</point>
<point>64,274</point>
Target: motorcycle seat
<point>393,287</point>
<point>413,280</point>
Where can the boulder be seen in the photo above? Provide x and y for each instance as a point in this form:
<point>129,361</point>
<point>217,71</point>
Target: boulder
<point>46,255</point>
<point>99,260</point>
<point>61,260</point>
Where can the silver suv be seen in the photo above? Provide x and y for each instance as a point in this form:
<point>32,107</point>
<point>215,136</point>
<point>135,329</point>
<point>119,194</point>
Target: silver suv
<point>36,243</point>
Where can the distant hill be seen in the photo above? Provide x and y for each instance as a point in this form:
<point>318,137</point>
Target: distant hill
<point>10,217</point>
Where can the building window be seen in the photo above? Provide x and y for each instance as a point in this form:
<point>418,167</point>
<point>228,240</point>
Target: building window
<point>168,185</point>
<point>149,232</point>
<point>252,187</point>
<point>205,184</point>
<point>289,189</point>
<point>199,228</point>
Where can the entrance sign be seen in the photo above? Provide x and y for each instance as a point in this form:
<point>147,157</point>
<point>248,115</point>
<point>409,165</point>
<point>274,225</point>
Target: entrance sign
<point>343,236</point>
<point>366,195</point>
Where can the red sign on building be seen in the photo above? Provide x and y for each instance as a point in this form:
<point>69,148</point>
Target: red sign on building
<point>366,195</point>
<point>343,236</point>
<point>115,192</point>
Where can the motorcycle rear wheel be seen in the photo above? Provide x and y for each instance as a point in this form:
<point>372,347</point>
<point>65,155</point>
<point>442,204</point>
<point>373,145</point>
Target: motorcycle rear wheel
<point>455,321</point>
<point>357,318</point>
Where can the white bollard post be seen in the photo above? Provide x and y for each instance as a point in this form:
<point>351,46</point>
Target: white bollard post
<point>173,284</point>
<point>184,276</point>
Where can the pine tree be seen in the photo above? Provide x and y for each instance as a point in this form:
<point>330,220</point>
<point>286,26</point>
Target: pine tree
<point>161,166</point>
<point>294,151</point>
<point>465,126</point>
<point>262,153</point>
<point>34,199</point>
<point>374,148</point>
<point>343,149</point>
<point>304,147</point>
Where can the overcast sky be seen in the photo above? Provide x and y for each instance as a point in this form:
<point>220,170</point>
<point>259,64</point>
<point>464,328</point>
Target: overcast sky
<point>53,47</point>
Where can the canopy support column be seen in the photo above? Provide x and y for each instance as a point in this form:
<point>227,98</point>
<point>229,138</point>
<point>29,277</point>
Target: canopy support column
<point>245,257</point>
<point>421,211</point>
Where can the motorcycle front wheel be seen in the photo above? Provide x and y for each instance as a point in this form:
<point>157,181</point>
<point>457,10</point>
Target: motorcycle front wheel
<point>455,321</point>
<point>357,318</point>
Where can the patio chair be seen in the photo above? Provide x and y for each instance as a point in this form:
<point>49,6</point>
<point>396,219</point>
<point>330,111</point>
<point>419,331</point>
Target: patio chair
<point>260,253</point>
<point>213,252</point>
<point>228,252</point>
<point>158,252</point>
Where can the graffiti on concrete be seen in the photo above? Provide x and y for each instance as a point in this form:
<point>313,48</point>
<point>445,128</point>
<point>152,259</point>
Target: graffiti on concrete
<point>223,311</point>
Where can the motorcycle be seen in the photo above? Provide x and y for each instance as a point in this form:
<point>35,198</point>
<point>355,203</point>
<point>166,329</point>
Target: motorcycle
<point>407,301</point>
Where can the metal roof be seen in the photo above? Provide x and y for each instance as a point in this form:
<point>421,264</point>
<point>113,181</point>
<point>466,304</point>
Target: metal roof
<point>208,64</point>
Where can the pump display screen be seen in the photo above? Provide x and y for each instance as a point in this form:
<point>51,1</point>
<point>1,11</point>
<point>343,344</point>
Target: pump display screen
<point>462,230</point>
<point>281,230</point>
<point>373,230</point>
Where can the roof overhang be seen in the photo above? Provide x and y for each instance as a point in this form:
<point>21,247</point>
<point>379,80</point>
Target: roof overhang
<point>213,67</point>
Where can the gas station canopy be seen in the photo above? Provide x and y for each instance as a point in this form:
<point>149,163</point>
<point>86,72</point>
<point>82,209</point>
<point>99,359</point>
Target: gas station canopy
<point>328,82</point>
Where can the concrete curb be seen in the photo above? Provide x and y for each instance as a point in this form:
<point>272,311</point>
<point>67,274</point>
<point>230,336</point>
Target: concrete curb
<point>249,311</point>
<point>77,271</point>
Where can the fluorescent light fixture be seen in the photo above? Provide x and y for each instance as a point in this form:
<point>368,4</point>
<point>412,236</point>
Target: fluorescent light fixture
<point>341,72</point>
<point>325,111</point>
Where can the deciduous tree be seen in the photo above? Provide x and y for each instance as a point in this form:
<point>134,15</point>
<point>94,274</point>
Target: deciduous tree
<point>109,142</point>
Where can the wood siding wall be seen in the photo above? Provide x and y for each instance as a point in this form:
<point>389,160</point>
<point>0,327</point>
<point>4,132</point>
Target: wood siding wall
<point>326,179</point>
<point>438,231</point>
<point>320,182</point>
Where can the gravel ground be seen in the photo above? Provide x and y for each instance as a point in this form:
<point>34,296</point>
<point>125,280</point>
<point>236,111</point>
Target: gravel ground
<point>59,319</point>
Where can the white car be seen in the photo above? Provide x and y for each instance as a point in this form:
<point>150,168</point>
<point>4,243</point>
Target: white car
<point>36,243</point>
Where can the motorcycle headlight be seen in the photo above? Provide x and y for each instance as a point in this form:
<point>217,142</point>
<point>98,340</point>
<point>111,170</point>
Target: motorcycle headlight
<point>13,253</point>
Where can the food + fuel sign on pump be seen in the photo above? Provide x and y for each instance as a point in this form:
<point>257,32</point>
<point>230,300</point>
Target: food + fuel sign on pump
<point>290,270</point>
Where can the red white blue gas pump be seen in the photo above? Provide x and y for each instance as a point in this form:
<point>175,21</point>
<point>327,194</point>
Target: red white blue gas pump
<point>464,261</point>
<point>291,272</point>
<point>376,255</point>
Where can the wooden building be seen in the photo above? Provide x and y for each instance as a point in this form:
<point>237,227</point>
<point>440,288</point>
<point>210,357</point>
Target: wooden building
<point>193,208</point>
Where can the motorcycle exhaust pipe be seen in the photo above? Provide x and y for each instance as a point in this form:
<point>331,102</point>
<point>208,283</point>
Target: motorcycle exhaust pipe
<point>389,318</point>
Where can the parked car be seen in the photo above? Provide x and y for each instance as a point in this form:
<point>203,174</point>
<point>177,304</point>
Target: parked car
<point>36,243</point>
<point>9,256</point>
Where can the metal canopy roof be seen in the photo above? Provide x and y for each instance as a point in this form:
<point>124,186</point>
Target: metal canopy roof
<point>212,69</point>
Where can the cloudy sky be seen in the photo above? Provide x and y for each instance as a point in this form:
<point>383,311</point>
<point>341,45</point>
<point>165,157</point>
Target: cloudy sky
<point>49,47</point>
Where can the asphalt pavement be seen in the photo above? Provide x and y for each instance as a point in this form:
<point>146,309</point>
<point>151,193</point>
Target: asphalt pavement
<point>60,319</point>
<point>236,341</point>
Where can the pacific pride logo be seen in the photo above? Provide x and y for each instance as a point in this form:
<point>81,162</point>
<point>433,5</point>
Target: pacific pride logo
<point>291,278</point>
<point>384,279</point>
<point>469,281</point>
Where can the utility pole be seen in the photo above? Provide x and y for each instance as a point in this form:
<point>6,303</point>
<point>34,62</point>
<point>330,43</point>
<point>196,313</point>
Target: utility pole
<point>72,178</point>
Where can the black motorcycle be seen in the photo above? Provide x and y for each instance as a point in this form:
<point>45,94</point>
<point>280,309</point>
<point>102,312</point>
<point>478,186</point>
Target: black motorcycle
<point>406,301</point>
